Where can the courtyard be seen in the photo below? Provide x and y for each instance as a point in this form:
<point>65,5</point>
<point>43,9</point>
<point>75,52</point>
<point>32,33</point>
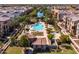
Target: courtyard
<point>39,30</point>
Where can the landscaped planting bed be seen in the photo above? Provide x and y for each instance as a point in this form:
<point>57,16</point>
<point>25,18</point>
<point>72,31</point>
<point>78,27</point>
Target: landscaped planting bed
<point>37,33</point>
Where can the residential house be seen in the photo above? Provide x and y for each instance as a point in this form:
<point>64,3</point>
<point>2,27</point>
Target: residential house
<point>7,15</point>
<point>72,24</point>
<point>40,44</point>
<point>5,23</point>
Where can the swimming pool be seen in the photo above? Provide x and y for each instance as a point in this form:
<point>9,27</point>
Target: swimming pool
<point>38,27</point>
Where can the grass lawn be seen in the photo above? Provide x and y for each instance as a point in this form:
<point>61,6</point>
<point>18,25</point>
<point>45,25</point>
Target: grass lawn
<point>69,51</point>
<point>14,50</point>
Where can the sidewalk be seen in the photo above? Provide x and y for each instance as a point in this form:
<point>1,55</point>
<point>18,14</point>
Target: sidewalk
<point>5,47</point>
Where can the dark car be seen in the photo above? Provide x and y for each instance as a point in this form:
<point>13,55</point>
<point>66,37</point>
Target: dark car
<point>28,51</point>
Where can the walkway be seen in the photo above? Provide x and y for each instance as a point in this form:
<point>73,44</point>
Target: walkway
<point>5,47</point>
<point>45,34</point>
<point>20,35</point>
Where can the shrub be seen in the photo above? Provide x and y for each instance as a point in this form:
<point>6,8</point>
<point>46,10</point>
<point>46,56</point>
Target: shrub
<point>65,39</point>
<point>49,30</point>
<point>13,41</point>
<point>0,43</point>
<point>67,46</point>
<point>50,36</point>
<point>59,42</point>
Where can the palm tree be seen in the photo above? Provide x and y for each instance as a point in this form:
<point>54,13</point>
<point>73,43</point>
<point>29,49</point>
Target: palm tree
<point>24,42</point>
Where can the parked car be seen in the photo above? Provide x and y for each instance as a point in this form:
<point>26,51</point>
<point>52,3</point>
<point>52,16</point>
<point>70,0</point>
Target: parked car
<point>28,51</point>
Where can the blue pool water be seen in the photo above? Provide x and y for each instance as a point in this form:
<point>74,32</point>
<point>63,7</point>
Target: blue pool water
<point>38,27</point>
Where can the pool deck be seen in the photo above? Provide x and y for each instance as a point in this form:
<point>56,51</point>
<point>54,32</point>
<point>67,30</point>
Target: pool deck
<point>44,32</point>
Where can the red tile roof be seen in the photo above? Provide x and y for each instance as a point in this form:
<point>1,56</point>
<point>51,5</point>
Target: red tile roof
<point>40,41</point>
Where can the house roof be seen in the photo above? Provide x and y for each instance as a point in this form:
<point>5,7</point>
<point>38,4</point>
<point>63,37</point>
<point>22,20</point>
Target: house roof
<point>4,18</point>
<point>64,12</point>
<point>73,17</point>
<point>40,41</point>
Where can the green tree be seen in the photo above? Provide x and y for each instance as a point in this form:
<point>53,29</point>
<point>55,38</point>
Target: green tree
<point>65,39</point>
<point>21,18</point>
<point>50,36</point>
<point>24,42</point>
<point>33,13</point>
<point>13,41</point>
<point>15,23</point>
<point>0,43</point>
